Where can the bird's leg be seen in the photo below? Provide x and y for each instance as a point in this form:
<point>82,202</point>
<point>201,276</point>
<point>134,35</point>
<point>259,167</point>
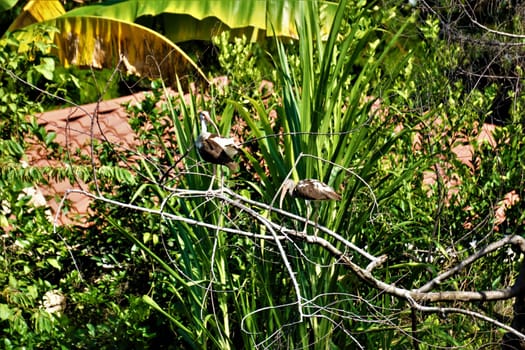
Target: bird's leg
<point>308,212</point>
<point>221,178</point>
<point>316,204</point>
<point>212,178</point>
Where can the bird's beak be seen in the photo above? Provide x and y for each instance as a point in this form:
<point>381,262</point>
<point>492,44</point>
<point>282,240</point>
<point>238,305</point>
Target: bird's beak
<point>283,193</point>
<point>284,189</point>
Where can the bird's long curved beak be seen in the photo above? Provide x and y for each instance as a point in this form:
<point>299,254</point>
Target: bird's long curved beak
<point>281,198</point>
<point>288,185</point>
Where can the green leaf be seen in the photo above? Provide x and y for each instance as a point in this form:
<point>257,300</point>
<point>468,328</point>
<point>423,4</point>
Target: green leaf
<point>19,324</point>
<point>185,20</point>
<point>46,68</point>
<point>3,221</point>
<point>148,300</point>
<point>91,329</point>
<point>5,312</point>
<point>49,138</point>
<point>54,262</point>
<point>7,4</point>
<point>42,321</point>
<point>14,148</point>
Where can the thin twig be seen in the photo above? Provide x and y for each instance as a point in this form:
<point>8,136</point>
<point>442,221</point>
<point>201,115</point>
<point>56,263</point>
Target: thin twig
<point>449,310</point>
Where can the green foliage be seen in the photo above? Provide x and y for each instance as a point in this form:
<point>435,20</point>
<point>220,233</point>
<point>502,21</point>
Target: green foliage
<point>22,321</point>
<point>50,84</point>
<point>80,85</point>
<point>328,90</point>
<point>155,271</point>
<point>30,253</point>
<point>321,103</point>
<point>243,63</point>
<point>33,63</point>
<point>438,226</point>
<point>13,102</point>
<point>35,259</point>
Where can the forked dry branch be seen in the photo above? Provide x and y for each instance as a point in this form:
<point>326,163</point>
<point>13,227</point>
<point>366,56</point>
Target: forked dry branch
<point>417,299</point>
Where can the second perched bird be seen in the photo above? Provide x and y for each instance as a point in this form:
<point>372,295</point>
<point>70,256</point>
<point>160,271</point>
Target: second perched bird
<point>310,190</point>
<point>214,148</point>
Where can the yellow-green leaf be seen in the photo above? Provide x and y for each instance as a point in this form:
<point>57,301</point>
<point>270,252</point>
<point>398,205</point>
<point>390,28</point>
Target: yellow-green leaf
<point>108,43</point>
<point>37,11</point>
<point>184,20</point>
<point>54,262</point>
<point>5,312</point>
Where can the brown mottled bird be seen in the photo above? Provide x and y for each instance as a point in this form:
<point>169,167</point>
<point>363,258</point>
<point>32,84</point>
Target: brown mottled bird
<point>310,190</point>
<point>214,148</point>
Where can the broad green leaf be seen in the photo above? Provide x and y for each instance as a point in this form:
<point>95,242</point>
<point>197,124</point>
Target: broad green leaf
<point>200,20</point>
<point>46,68</point>
<point>110,34</point>
<point>54,262</point>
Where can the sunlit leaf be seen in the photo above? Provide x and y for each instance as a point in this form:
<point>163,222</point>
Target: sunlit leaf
<point>54,262</point>
<point>5,312</point>
<point>35,11</point>
<point>108,43</point>
<point>3,221</point>
<point>46,68</point>
<point>200,20</point>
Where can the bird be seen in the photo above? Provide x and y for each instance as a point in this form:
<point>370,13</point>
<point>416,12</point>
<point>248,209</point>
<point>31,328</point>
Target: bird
<point>214,148</point>
<point>309,190</point>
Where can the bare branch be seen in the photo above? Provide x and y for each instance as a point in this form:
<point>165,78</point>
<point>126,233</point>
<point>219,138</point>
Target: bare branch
<point>509,35</point>
<point>449,310</point>
<point>421,295</point>
<point>515,240</point>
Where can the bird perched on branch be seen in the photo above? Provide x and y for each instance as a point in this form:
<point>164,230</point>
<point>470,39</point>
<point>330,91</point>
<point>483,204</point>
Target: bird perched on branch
<point>214,148</point>
<point>310,190</point>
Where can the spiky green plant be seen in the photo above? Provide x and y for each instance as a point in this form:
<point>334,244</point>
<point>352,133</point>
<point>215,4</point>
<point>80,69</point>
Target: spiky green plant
<point>330,132</point>
<point>222,289</point>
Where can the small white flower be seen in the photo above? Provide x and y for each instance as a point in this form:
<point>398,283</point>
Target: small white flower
<point>54,301</point>
<point>511,253</point>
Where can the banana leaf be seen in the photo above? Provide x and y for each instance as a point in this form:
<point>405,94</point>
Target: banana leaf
<point>185,20</point>
<point>106,43</point>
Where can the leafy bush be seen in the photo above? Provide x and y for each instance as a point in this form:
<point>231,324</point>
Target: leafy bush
<point>166,263</point>
<point>37,261</point>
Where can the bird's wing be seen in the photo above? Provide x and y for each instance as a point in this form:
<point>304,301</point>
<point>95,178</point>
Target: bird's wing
<point>231,151</point>
<point>212,148</point>
<point>316,190</point>
<point>327,191</point>
<point>224,141</point>
<point>228,145</point>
